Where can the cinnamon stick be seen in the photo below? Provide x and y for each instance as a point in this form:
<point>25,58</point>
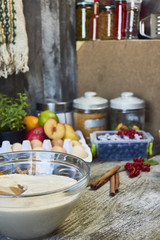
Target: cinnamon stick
<point>102,180</point>
<point>112,185</point>
<point>117,182</point>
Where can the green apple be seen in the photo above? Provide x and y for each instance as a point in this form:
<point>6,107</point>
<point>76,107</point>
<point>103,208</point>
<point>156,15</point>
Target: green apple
<point>43,116</point>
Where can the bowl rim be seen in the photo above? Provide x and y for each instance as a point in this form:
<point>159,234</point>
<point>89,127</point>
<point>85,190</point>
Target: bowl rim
<point>67,190</point>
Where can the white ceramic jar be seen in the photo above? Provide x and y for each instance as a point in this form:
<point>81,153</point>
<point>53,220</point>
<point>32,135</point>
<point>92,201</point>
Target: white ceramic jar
<point>90,114</point>
<point>127,111</point>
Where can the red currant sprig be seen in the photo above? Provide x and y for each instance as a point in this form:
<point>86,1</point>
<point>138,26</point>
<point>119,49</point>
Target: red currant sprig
<point>137,166</point>
<point>128,133</point>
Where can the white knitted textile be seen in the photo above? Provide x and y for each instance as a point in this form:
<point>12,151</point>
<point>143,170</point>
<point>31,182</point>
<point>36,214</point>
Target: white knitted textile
<point>13,48</point>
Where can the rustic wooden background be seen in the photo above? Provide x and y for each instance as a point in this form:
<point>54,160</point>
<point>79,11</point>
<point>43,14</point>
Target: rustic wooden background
<point>59,73</point>
<point>50,27</point>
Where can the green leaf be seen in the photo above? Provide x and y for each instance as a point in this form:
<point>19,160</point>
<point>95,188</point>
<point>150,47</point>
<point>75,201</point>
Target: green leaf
<point>150,161</point>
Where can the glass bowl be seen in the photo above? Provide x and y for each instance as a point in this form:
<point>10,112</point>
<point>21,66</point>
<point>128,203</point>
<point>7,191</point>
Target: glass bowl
<point>52,181</point>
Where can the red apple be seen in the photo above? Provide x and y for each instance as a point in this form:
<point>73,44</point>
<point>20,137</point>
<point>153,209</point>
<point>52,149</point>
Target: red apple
<point>36,133</point>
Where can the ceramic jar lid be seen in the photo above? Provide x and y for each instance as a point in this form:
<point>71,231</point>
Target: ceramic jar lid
<point>90,101</point>
<point>127,101</point>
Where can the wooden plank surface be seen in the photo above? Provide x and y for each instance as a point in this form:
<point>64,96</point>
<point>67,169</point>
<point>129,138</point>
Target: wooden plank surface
<point>132,214</point>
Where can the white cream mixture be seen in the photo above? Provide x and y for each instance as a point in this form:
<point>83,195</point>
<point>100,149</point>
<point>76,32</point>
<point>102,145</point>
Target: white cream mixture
<point>32,217</point>
<point>36,183</point>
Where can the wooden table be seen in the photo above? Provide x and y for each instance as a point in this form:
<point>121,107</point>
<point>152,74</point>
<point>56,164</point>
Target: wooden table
<point>132,214</point>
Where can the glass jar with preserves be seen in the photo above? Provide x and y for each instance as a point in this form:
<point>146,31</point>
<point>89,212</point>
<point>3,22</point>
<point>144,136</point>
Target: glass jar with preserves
<point>90,114</point>
<point>94,21</point>
<point>84,12</point>
<point>133,14</point>
<point>120,19</point>
<point>127,111</point>
<point>106,21</point>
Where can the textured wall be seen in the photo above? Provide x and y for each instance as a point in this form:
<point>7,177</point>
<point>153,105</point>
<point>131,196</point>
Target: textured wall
<point>111,67</point>
<point>50,27</point>
<point>51,31</point>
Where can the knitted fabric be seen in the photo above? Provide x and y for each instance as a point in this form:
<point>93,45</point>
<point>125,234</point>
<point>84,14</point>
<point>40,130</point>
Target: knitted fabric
<point>13,38</point>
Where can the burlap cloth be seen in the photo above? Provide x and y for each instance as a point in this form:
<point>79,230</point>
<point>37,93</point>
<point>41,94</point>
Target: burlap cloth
<point>132,214</point>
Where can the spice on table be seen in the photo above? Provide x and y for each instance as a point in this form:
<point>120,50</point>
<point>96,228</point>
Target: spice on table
<point>102,180</point>
<point>112,186</point>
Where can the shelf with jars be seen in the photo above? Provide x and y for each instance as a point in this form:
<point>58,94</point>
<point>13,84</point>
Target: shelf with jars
<point>111,20</point>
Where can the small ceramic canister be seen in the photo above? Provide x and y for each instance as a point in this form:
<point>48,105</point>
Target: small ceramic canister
<point>127,111</point>
<point>90,114</point>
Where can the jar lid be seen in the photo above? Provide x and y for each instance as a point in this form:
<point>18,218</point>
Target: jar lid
<point>107,7</point>
<point>90,102</point>
<point>127,101</point>
<point>58,107</point>
<point>134,1</point>
<point>83,2</point>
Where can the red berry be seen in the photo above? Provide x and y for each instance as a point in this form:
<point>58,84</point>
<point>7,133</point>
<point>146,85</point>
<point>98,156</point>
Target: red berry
<point>137,166</point>
<point>148,165</point>
<point>141,159</point>
<point>127,166</point>
<point>147,169</point>
<point>137,172</point>
<point>135,159</point>
<point>129,132</point>
<point>131,174</point>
